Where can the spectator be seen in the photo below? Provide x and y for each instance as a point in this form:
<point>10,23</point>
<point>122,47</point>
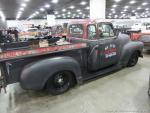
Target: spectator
<point>15,32</point>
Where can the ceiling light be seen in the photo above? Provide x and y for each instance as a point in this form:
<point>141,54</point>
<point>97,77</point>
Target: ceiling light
<point>145,3</point>
<point>64,10</point>
<point>132,2</point>
<point>42,9</point>
<point>126,7</point>
<point>55,12</point>
<point>80,13</point>
<point>147,9</point>
<point>133,11</point>
<point>21,9</point>
<point>37,12</point>
<point>114,6</point>
<point>69,13</point>
<point>20,12</point>
<point>26,0</point>
<point>139,8</point>
<point>78,10</point>
<point>112,9</point>
<point>23,5</point>
<point>125,10</point>
<point>83,3</point>
<point>117,0</point>
<point>72,7</point>
<point>55,1</point>
<point>87,7</point>
<point>47,5</point>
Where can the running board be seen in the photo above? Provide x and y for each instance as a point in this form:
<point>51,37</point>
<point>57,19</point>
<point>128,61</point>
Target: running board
<point>101,72</point>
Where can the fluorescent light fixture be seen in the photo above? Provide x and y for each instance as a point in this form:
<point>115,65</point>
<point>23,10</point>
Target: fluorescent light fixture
<point>83,3</point>
<point>26,0</point>
<point>87,7</point>
<point>42,9</point>
<point>72,7</point>
<point>80,13</point>
<point>145,3</point>
<point>69,13</point>
<point>47,5</point>
<point>37,12</point>
<point>114,6</point>
<point>56,12</point>
<point>132,2</point>
<point>21,9</point>
<point>126,7</point>
<point>64,10</point>
<point>55,1</point>
<point>125,10</point>
<point>23,5</point>
<point>117,0</point>
<point>139,8</point>
<point>78,10</point>
<point>147,9</point>
<point>112,9</point>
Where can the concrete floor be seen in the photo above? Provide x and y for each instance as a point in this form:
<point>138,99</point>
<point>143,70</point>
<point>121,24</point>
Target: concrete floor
<point>122,92</point>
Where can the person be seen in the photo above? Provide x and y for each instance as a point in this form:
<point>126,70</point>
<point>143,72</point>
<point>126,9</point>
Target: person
<point>15,32</point>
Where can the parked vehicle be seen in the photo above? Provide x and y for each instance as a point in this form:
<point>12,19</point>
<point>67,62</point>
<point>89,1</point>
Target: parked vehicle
<point>90,50</point>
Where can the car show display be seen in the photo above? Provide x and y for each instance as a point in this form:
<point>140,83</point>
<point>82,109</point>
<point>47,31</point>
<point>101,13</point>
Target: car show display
<point>74,56</point>
<point>90,49</point>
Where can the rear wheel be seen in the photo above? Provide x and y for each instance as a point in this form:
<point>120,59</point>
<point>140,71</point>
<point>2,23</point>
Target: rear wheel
<point>60,82</point>
<point>133,59</point>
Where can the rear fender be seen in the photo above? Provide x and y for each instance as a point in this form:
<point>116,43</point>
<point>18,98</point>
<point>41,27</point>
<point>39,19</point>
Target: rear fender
<point>35,75</point>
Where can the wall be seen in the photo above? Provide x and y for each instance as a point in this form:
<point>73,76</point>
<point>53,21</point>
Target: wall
<point>24,24</point>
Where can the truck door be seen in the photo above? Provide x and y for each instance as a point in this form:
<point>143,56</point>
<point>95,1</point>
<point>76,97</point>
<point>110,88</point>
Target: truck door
<point>108,45</point>
<point>104,49</point>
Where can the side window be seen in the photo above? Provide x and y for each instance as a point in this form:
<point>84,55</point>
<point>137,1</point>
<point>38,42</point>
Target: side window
<point>76,30</point>
<point>91,32</point>
<point>106,30</point>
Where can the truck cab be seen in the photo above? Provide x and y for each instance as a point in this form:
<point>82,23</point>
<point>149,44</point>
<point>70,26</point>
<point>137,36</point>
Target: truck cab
<point>100,37</point>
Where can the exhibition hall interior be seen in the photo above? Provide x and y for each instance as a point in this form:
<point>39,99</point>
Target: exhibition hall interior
<point>74,56</point>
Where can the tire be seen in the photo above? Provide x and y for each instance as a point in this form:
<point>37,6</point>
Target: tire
<point>60,82</point>
<point>133,60</point>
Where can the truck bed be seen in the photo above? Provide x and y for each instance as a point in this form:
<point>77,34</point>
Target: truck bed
<point>31,52</point>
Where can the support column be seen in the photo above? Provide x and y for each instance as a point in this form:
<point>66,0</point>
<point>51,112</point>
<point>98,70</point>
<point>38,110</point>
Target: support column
<point>50,18</point>
<point>97,9</point>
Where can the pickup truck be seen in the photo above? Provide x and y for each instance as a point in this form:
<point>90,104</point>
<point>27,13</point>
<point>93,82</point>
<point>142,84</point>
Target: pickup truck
<point>90,50</point>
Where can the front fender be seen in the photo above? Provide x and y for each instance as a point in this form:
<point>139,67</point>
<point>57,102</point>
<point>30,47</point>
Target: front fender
<point>35,75</point>
<point>128,50</point>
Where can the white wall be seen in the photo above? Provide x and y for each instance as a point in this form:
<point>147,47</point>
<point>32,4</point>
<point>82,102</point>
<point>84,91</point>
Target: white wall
<point>24,23</point>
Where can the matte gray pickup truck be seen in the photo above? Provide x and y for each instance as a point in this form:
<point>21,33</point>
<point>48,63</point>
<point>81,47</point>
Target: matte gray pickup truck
<point>58,67</point>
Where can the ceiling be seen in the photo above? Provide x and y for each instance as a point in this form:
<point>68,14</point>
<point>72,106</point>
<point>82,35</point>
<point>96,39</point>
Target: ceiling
<point>64,8</point>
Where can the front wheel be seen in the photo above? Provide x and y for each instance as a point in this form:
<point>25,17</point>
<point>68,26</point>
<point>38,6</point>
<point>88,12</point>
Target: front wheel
<point>133,59</point>
<point>60,83</point>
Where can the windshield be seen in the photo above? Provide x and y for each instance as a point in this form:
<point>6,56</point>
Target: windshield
<point>76,30</point>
